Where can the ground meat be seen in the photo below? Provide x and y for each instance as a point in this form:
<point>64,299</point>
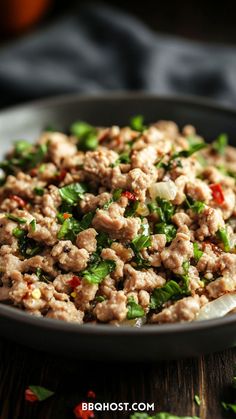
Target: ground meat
<point>46,230</point>
<point>210,220</point>
<point>59,146</point>
<point>70,257</point>
<point>109,254</point>
<point>112,309</point>
<point>138,280</point>
<point>112,221</point>
<point>43,274</point>
<point>198,190</point>
<point>66,311</point>
<point>87,240</point>
<point>181,218</point>
<point>180,250</point>
<point>184,310</point>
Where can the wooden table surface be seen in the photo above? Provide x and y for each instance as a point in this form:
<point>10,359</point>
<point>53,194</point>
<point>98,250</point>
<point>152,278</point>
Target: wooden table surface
<point>171,385</point>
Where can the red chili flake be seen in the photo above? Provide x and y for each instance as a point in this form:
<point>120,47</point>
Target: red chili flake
<point>91,394</point>
<point>30,396</point>
<point>129,195</point>
<point>82,414</point>
<point>33,172</point>
<point>74,281</point>
<point>61,176</point>
<point>66,215</point>
<point>217,193</point>
<point>19,200</point>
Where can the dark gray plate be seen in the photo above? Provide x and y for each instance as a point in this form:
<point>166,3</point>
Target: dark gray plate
<point>106,342</point>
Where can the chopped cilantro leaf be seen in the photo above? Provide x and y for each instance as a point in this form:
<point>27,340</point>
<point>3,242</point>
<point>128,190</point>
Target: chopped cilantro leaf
<point>197,399</point>
<point>222,235</point>
<point>220,144</point>
<point>33,225</point>
<point>96,274</point>
<point>131,208</point>
<point>160,295</point>
<point>195,206</point>
<point>123,158</point>
<point>72,193</point>
<point>38,191</point>
<point>197,252</point>
<point>134,309</point>
<point>163,208</point>
<point>168,229</point>
<point>141,242</point>
<point>192,149</point>
<point>136,123</point>
<point>86,134</point>
<point>69,229</point>
<point>41,393</point>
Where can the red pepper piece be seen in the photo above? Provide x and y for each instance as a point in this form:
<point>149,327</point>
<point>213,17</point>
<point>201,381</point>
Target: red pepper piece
<point>19,200</point>
<point>129,195</point>
<point>66,215</point>
<point>82,414</point>
<point>61,176</point>
<point>91,394</point>
<point>217,193</point>
<point>74,281</point>
<point>30,396</point>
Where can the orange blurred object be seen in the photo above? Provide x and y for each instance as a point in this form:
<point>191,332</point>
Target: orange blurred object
<point>18,15</point>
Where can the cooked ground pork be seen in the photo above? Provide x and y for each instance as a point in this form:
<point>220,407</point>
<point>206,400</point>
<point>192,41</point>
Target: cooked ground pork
<point>111,224</point>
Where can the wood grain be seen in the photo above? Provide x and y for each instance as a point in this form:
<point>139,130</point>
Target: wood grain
<point>170,385</point>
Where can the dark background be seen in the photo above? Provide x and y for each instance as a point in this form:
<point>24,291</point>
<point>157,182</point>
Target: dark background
<point>197,20</point>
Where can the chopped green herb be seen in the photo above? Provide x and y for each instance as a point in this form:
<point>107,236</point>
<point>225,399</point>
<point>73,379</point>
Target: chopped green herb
<point>41,393</point>
<point>222,235</point>
<point>131,208</point>
<point>12,217</point>
<point>115,197</point>
<point>194,139</point>
<point>161,295</point>
<point>220,144</point>
<point>195,206</point>
<point>192,149</point>
<point>33,225</point>
<point>117,194</point>
<point>100,298</point>
<point>229,406</point>
<point>18,232</point>
<point>86,134</point>
<point>72,193</point>
<point>27,247</point>
<point>163,208</point>
<point>42,168</point>
<point>168,229</point>
<point>38,191</point>
<point>123,158</point>
<point>197,399</point>
<point>134,309</point>
<point>42,276</point>
<point>136,123</point>
<point>141,242</point>
<point>96,274</point>
<point>69,229</point>
<point>21,147</point>
<point>86,220</point>
<point>103,241</point>
<point>197,252</point>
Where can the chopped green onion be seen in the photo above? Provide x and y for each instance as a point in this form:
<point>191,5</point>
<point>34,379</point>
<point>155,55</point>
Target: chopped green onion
<point>197,252</point>
<point>222,234</point>
<point>12,217</point>
<point>136,123</point>
<point>220,144</point>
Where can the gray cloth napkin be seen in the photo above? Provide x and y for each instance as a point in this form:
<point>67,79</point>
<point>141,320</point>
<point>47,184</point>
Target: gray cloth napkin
<point>98,49</point>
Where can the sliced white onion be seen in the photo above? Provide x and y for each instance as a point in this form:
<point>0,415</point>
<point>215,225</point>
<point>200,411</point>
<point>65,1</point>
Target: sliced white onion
<point>217,308</point>
<point>166,190</point>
